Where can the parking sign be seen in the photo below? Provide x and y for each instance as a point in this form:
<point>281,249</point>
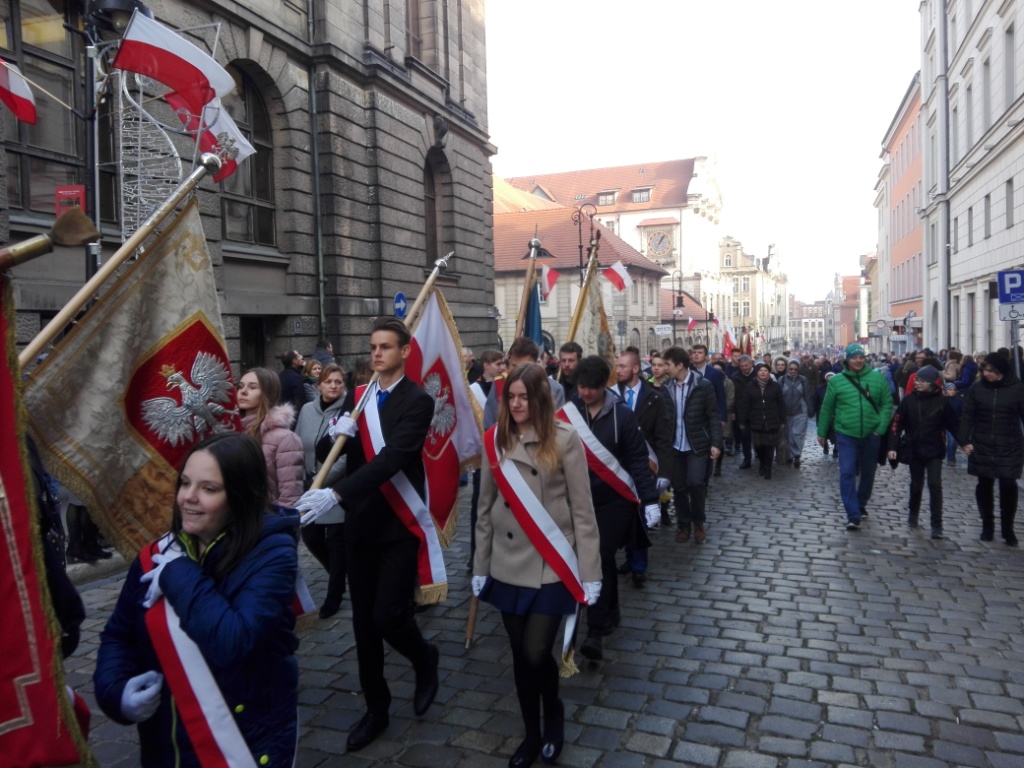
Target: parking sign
<point>1011,286</point>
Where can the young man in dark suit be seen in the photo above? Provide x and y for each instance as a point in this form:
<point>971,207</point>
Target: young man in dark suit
<point>381,551</point>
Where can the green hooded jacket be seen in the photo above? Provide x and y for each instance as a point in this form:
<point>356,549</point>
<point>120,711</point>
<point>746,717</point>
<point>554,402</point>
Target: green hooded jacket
<point>853,414</point>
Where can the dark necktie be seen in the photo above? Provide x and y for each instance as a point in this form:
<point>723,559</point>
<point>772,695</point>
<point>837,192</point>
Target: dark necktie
<point>382,395</point>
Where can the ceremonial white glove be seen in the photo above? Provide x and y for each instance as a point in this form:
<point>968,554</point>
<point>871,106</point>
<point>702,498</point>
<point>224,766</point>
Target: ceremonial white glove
<point>343,425</point>
<point>478,585</point>
<point>141,696</point>
<point>160,560</point>
<point>652,514</point>
<point>663,483</point>
<point>315,503</point>
<point>592,591</point>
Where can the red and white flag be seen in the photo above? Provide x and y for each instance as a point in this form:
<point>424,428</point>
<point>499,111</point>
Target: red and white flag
<point>548,276</point>
<point>151,49</point>
<point>217,133</point>
<point>16,94</point>
<point>455,440</point>
<point>728,342</point>
<point>691,325</point>
<point>618,276</point>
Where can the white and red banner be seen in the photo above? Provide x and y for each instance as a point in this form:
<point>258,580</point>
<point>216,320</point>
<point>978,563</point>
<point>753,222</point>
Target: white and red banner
<point>216,133</point>
<point>16,93</point>
<point>548,276</point>
<point>158,52</point>
<point>454,442</point>
<point>728,341</point>
<point>618,276</point>
<point>600,460</point>
<point>691,325</point>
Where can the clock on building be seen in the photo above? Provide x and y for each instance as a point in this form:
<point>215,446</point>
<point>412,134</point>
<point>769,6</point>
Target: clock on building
<point>659,243</point>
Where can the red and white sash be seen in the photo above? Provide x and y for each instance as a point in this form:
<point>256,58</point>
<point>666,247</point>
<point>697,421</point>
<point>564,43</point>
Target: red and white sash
<point>211,726</point>
<point>599,459</point>
<point>542,531</point>
<point>412,510</point>
<point>478,393</point>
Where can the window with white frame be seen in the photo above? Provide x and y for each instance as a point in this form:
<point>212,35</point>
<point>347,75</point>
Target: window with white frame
<point>1009,203</point>
<point>642,195</point>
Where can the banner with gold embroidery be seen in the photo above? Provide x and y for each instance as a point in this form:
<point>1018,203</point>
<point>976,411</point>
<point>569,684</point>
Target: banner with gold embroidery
<point>37,726</point>
<point>142,377</point>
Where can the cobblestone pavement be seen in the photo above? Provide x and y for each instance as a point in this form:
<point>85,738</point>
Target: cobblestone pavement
<point>782,642</point>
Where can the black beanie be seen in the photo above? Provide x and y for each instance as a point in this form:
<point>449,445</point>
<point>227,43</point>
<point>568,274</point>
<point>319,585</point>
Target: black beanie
<point>1000,363</point>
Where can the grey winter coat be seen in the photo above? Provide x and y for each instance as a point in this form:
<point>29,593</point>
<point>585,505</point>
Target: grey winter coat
<point>797,395</point>
<point>312,425</point>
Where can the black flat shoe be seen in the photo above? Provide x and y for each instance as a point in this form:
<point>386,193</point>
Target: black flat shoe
<point>525,755</point>
<point>554,733</point>
<point>366,730</point>
<point>426,682</point>
<point>326,611</point>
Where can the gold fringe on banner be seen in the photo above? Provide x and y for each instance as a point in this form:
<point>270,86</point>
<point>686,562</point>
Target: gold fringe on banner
<point>432,594</point>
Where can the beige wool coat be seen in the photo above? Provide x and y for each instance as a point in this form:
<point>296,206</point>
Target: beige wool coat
<point>503,550</point>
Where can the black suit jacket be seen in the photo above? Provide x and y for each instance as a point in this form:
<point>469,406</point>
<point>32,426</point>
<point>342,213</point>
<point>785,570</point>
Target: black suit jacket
<point>404,420</point>
<point>655,413</point>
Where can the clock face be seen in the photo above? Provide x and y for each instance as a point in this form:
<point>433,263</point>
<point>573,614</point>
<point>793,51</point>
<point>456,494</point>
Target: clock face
<point>659,244</point>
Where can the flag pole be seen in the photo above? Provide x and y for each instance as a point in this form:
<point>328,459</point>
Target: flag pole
<point>531,277</point>
<point>417,306</point>
<point>591,273</point>
<point>209,163</point>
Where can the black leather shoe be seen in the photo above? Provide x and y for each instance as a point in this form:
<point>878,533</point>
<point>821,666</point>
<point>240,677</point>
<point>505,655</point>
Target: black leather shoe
<point>639,579</point>
<point>554,732</point>
<point>592,648</point>
<point>525,755</point>
<point>366,730</point>
<point>426,682</point>
<point>625,568</point>
<point>745,465</point>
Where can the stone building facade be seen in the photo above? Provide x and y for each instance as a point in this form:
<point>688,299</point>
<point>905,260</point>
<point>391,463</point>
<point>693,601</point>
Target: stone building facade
<point>373,159</point>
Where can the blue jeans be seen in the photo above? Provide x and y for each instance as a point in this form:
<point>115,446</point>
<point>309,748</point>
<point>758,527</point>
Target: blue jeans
<point>856,455</point>
<point>637,558</point>
<point>950,447</point>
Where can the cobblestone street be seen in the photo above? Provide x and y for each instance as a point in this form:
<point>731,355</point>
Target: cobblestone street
<point>782,642</point>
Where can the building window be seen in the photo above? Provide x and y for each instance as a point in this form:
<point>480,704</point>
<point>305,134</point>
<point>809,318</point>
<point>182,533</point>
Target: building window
<point>735,285</point>
<point>968,117</point>
<point>650,294</point>
<point>433,208</point>
<point>641,195</point>
<point>606,198</point>
<point>1009,66</point>
<point>1009,203</point>
<point>746,285</point>
<point>746,309</point>
<point>413,29</point>
<point>247,205</point>
<point>970,226</point>
<point>50,153</point>
<point>986,95</point>
<point>954,135</point>
<point>956,234</point>
<point>636,291</point>
<point>610,225</point>
<point>728,258</point>
<point>988,216</point>
<point>735,309</point>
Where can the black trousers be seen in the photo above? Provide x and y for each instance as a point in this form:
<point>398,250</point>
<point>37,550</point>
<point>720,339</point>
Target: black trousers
<point>743,438</point>
<point>688,487</point>
<point>327,544</point>
<point>1008,494</point>
<point>381,580</point>
<point>918,469</point>
<point>614,523</point>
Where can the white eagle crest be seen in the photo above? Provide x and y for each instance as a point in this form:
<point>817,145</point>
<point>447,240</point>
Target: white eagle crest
<point>444,412</point>
<point>200,406</point>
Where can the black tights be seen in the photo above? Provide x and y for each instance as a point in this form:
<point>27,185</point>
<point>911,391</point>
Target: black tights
<point>536,672</point>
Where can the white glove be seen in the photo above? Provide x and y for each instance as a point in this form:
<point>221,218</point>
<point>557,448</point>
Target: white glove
<point>478,585</point>
<point>315,503</point>
<point>652,514</point>
<point>141,696</point>
<point>160,560</point>
<point>343,425</point>
<point>592,591</point>
<point>663,483</point>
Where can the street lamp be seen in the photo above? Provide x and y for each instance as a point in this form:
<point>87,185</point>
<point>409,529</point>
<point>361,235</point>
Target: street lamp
<point>577,219</point>
<point>709,317</point>
<point>677,300</point>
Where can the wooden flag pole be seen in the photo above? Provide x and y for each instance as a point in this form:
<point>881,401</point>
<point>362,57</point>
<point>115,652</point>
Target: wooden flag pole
<point>417,307</point>
<point>209,163</point>
<point>591,273</point>
<point>531,278</point>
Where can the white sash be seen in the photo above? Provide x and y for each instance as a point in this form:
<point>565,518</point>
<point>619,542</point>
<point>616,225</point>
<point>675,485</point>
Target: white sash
<point>478,393</point>
<point>611,471</point>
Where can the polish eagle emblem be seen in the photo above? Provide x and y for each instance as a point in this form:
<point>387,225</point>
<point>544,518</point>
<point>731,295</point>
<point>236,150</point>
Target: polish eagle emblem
<point>204,395</point>
<point>444,411</point>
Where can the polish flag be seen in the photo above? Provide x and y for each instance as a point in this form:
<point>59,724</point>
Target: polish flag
<point>219,136</point>
<point>692,324</point>
<point>548,276</point>
<point>15,93</point>
<point>151,49</point>
<point>618,276</point>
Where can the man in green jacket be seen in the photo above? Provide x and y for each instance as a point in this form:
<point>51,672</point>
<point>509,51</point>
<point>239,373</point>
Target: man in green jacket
<point>858,401</point>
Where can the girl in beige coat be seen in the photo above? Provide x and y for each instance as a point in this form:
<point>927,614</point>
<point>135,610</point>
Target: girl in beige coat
<point>510,572</point>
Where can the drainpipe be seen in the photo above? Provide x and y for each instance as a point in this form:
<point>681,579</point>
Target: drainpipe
<point>314,135</point>
<point>945,245</point>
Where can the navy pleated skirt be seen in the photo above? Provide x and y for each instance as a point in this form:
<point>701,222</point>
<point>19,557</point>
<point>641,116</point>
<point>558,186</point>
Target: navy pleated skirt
<point>551,599</point>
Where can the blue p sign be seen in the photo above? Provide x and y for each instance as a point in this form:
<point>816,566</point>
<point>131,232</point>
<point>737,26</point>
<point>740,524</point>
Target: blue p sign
<point>1011,287</point>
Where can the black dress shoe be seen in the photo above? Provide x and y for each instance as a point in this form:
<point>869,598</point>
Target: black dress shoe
<point>525,755</point>
<point>426,682</point>
<point>554,732</point>
<point>625,568</point>
<point>366,730</point>
<point>639,579</point>
<point>326,611</point>
<point>592,648</point>
<point>745,465</point>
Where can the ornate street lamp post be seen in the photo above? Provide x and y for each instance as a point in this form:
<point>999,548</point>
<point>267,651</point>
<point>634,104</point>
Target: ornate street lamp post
<point>577,219</point>
<point>677,301</point>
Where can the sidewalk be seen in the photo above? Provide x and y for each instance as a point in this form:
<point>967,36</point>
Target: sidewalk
<point>783,642</point>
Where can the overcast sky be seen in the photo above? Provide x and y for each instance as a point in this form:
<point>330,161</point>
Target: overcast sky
<point>793,98</point>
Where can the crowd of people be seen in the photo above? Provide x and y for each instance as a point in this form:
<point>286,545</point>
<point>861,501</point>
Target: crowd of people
<point>583,460</point>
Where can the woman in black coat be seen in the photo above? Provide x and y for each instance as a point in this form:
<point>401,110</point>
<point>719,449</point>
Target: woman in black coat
<point>760,402</point>
<point>990,433</point>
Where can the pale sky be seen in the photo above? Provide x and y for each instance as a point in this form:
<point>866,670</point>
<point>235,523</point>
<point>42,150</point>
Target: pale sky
<point>792,97</point>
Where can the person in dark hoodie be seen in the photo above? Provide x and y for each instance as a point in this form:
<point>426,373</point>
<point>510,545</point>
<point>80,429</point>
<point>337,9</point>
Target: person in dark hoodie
<point>990,433</point>
<point>917,440</point>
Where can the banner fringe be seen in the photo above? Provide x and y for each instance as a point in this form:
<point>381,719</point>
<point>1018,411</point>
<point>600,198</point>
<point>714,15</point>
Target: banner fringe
<point>432,594</point>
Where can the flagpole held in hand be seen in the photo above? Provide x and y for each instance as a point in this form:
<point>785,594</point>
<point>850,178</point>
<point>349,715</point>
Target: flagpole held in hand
<point>417,306</point>
<point>531,276</point>
<point>209,163</point>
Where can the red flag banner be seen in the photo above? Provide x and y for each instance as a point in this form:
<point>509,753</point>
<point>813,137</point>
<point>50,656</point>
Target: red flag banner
<point>454,442</point>
<point>16,93</point>
<point>548,276</point>
<point>151,378</point>
<point>217,134</point>
<point>618,276</point>
<point>37,724</point>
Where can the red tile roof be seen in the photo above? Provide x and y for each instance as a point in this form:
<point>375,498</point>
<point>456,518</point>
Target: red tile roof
<point>691,308</point>
<point>668,182</point>
<point>508,199</point>
<point>560,237</point>
<point>663,221</point>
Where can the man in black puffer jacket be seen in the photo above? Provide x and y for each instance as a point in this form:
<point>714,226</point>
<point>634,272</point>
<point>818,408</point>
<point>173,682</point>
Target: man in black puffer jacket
<point>697,435</point>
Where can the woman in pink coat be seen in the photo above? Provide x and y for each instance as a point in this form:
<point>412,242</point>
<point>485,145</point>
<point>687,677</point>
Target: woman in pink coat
<point>258,393</point>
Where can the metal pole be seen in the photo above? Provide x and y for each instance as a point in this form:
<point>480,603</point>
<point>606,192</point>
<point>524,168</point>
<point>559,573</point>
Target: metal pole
<point>1014,334</point>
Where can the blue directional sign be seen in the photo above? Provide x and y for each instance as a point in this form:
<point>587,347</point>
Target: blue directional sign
<point>401,305</point>
<point>1011,287</point>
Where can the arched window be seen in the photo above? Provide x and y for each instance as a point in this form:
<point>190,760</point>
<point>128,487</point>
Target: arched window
<point>435,174</point>
<point>634,337</point>
<point>248,210</point>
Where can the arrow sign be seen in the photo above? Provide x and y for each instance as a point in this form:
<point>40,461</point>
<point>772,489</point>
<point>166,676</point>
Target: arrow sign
<point>401,305</point>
